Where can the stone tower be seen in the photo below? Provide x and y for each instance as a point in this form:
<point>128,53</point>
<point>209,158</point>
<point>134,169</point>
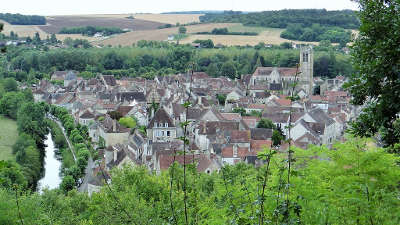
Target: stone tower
<point>307,69</point>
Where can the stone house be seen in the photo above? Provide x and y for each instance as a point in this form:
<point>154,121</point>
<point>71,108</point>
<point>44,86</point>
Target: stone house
<point>86,118</point>
<point>161,127</point>
<point>113,132</point>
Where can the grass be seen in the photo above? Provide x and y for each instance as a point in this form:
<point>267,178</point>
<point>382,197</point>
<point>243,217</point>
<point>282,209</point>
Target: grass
<point>242,28</point>
<point>67,158</point>
<point>8,136</point>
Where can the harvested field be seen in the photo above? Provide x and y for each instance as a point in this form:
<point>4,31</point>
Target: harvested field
<point>159,34</point>
<point>268,36</point>
<point>56,23</point>
<point>23,30</point>
<point>170,18</point>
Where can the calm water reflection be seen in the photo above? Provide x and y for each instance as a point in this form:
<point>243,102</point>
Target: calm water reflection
<point>52,166</point>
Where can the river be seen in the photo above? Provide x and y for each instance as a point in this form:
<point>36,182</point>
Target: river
<point>52,167</point>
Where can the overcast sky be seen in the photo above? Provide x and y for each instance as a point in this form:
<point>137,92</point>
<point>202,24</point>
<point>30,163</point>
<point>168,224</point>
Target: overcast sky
<point>58,7</point>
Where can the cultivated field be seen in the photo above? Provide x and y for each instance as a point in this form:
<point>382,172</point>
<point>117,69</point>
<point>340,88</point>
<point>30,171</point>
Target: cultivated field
<point>56,23</point>
<point>23,30</point>
<point>170,18</point>
<point>159,34</point>
<point>268,36</point>
<point>8,136</point>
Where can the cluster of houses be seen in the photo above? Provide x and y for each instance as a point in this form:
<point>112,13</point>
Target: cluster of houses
<point>217,135</point>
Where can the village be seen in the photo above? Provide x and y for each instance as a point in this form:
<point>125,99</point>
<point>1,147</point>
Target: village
<point>224,115</point>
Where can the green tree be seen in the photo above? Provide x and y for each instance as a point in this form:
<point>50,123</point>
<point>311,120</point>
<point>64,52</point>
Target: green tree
<point>221,99</point>
<point>128,122</point>
<point>375,83</point>
<point>229,69</point>
<point>182,30</point>
<point>10,84</point>
<point>240,110</point>
<point>10,103</point>
<point>266,123</point>
<point>36,39</point>
<point>53,39</point>
<point>277,137</point>
<point>67,184</point>
<point>10,175</point>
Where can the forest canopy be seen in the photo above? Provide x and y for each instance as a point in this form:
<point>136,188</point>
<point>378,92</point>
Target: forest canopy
<point>281,19</point>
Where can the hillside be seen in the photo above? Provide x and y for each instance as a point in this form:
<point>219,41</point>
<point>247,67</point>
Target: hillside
<point>159,34</point>
<point>56,23</point>
<point>281,19</point>
<point>146,27</point>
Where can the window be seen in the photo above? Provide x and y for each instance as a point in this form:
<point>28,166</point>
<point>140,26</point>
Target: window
<point>162,133</point>
<point>168,133</point>
<point>155,124</point>
<point>166,125</point>
<point>160,125</point>
<point>305,57</point>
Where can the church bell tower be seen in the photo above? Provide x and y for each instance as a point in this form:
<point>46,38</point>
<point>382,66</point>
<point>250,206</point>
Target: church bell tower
<point>307,69</point>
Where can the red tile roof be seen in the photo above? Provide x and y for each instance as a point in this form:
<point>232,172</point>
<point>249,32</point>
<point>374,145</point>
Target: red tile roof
<point>231,116</point>
<point>283,102</point>
<point>259,145</point>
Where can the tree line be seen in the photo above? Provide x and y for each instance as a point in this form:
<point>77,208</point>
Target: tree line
<point>150,59</point>
<point>29,149</point>
<point>225,31</point>
<point>18,19</point>
<point>299,24</point>
<point>317,33</point>
<point>79,137</point>
<point>91,30</point>
<point>282,18</point>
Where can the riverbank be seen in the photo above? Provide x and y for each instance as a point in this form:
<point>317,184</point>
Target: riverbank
<point>63,150</point>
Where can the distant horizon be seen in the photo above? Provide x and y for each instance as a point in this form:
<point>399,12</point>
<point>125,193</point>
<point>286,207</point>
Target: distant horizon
<point>90,7</point>
<point>171,12</point>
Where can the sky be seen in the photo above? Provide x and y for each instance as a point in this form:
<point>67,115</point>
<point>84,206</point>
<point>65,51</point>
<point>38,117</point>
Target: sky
<point>73,7</point>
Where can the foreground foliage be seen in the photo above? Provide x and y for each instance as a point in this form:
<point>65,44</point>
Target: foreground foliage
<point>376,83</point>
<point>352,184</point>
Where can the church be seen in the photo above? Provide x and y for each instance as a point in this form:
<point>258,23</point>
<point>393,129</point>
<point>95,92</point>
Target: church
<point>279,79</point>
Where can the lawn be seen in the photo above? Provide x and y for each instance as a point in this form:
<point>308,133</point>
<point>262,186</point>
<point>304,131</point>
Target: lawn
<point>8,136</point>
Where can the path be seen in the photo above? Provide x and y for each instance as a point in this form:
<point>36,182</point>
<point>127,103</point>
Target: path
<point>51,117</point>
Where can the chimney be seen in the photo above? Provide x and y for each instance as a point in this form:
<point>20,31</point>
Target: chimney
<point>114,125</point>
<point>115,154</point>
